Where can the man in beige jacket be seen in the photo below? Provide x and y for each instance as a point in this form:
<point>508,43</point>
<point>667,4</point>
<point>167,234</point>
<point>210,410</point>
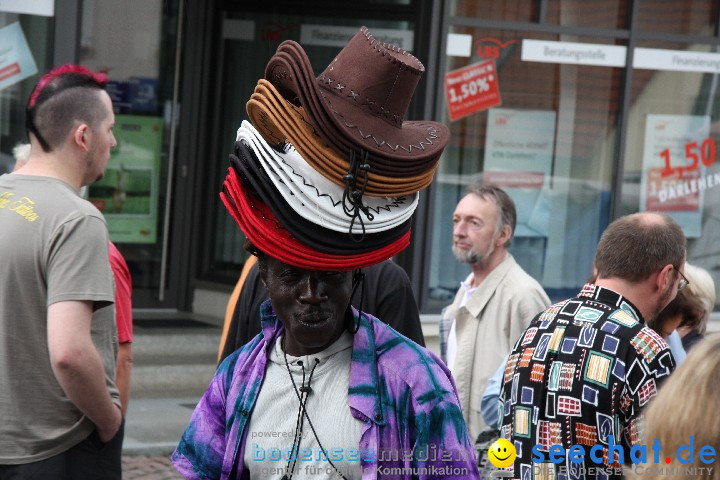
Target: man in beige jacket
<point>494,304</point>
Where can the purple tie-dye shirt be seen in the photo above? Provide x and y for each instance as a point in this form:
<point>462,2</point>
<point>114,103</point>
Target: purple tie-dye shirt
<point>403,394</point>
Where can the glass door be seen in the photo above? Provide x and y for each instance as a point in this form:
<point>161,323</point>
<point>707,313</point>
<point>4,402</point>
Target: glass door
<point>135,195</point>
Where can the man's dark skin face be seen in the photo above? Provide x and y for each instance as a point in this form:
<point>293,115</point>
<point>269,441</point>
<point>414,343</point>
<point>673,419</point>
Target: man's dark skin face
<point>311,304</point>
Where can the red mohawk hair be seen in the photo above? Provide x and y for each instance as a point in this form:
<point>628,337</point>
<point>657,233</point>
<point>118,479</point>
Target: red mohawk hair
<point>100,78</point>
<point>58,80</point>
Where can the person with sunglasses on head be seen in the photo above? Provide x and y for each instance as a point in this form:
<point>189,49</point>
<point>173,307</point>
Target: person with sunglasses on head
<point>683,322</point>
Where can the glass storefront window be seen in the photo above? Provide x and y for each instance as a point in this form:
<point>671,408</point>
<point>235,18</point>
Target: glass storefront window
<point>606,14</point>
<point>509,10</point>
<point>551,145</point>
<point>133,193</point>
<point>37,32</point>
<point>689,17</point>
<point>673,131</point>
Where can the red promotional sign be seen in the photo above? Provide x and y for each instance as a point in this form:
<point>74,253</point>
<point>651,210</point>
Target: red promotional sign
<point>672,194</point>
<point>472,89</point>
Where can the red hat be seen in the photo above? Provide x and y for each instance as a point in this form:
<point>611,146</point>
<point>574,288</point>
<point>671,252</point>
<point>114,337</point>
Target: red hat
<point>261,227</point>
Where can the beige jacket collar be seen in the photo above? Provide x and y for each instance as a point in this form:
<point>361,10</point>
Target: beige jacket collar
<point>476,303</point>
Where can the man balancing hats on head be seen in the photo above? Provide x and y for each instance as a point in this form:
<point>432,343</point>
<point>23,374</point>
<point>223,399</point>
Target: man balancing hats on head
<point>326,390</point>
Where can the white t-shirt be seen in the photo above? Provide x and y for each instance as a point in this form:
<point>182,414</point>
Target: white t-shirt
<point>273,422</point>
<point>452,336</point>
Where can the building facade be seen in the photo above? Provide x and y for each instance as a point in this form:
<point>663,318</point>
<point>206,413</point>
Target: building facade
<point>583,111</point>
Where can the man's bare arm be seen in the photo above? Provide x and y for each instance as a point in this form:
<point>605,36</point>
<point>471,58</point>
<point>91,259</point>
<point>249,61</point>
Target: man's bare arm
<point>78,367</point>
<point>122,374</point>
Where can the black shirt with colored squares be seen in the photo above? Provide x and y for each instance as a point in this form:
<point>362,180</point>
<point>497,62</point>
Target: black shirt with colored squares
<point>581,372</point>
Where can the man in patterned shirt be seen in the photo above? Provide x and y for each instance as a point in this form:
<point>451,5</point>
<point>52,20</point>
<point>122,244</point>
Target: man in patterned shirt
<point>585,367</point>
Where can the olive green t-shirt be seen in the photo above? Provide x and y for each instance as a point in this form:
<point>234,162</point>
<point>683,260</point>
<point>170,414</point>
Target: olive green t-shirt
<point>53,248</point>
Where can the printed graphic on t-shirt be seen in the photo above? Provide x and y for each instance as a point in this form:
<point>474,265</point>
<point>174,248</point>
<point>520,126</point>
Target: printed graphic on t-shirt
<point>23,206</point>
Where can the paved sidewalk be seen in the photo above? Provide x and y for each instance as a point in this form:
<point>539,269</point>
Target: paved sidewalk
<point>173,364</point>
<point>143,467</point>
<point>154,425</point>
<point>152,431</point>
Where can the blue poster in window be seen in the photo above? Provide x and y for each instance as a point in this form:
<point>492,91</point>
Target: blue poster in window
<point>16,60</point>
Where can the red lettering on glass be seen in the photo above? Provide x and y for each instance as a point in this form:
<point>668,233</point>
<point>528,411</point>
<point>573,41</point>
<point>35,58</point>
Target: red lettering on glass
<point>706,153</point>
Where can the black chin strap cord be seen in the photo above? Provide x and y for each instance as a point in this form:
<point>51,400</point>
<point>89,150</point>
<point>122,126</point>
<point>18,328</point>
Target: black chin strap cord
<point>299,419</point>
<point>352,194</point>
<point>358,281</point>
<point>302,395</point>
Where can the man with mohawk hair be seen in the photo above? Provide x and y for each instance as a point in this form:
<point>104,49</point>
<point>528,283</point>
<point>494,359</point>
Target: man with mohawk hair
<point>59,407</point>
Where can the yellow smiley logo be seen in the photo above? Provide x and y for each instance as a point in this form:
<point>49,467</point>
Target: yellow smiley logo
<point>502,453</point>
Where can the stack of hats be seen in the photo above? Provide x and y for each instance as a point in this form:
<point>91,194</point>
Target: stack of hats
<point>326,174</point>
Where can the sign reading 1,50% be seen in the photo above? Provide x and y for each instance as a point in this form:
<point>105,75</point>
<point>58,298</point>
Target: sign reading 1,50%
<point>471,88</point>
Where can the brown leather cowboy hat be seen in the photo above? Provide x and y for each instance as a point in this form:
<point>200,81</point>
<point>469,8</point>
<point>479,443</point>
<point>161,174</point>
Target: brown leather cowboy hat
<point>325,128</point>
<point>280,121</point>
<point>381,166</point>
<point>360,100</point>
